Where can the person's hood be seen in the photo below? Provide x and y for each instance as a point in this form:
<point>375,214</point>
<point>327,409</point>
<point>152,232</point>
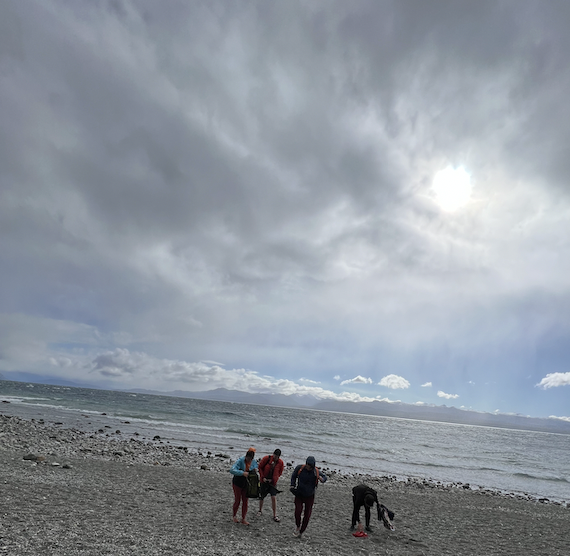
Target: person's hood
<point>311,461</point>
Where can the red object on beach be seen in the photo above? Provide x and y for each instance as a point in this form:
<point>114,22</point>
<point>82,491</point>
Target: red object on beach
<point>359,534</point>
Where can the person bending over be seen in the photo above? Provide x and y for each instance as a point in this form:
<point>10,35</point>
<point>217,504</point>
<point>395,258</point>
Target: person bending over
<point>304,482</point>
<point>363,495</point>
<point>270,469</point>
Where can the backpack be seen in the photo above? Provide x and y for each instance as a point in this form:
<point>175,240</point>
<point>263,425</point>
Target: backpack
<point>315,469</point>
<point>252,485</point>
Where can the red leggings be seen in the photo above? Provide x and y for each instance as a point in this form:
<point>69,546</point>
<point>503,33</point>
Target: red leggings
<point>240,495</point>
<point>301,501</point>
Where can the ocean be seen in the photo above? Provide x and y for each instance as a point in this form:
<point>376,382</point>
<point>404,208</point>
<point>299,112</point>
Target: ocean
<point>526,462</point>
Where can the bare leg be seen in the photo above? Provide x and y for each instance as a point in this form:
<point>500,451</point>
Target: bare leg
<point>237,500</point>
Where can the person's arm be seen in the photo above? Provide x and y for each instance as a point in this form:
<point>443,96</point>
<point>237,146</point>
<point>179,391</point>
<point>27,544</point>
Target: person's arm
<point>277,471</point>
<point>294,476</point>
<point>238,468</point>
<point>322,477</point>
<point>263,465</point>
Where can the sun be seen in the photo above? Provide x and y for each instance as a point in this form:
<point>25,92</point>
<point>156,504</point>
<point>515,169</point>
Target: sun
<point>452,188</point>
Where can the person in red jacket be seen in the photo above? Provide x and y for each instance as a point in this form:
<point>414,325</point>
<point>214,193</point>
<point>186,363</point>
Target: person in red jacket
<point>270,469</point>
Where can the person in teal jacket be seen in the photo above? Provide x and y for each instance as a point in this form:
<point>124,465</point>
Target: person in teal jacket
<point>240,470</point>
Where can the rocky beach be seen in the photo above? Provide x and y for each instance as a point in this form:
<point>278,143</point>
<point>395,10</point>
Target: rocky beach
<point>66,491</point>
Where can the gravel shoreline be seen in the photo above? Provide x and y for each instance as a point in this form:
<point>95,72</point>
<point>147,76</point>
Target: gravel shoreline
<point>76,492</point>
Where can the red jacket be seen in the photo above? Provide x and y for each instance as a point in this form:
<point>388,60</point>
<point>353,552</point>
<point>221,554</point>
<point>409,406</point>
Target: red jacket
<point>265,469</point>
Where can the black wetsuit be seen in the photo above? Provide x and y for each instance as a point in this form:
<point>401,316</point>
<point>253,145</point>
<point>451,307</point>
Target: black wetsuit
<point>358,494</point>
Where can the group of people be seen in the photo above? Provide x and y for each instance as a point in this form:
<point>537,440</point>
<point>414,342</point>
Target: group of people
<point>304,481</point>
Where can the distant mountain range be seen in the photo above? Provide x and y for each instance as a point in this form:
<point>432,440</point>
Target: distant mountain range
<point>440,413</point>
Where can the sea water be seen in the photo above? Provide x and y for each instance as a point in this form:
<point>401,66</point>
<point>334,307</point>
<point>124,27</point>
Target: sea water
<point>535,463</point>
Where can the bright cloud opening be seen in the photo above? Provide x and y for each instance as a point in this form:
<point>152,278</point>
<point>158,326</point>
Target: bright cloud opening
<point>452,188</point>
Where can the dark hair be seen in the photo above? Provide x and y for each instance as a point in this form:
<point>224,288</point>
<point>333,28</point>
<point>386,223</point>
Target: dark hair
<point>369,500</point>
<point>277,452</point>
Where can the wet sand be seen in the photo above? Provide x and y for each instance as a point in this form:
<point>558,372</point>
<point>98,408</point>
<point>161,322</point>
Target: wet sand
<point>101,493</point>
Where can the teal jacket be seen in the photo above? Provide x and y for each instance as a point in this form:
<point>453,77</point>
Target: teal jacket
<point>238,467</point>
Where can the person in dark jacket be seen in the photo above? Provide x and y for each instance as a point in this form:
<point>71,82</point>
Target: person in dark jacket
<point>363,495</point>
<point>270,469</point>
<point>304,481</point>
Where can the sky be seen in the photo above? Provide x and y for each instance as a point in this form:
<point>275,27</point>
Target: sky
<point>353,200</point>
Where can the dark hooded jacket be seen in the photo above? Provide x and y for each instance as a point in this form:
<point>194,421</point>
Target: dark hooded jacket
<point>305,480</point>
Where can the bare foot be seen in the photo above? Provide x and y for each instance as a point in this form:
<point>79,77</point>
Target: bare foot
<point>244,522</point>
<point>236,520</point>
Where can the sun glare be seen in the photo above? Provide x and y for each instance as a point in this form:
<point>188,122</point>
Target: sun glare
<point>452,188</point>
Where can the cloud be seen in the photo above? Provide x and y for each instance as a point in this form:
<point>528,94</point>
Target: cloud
<point>308,381</point>
<point>427,385</point>
<point>352,397</point>
<point>560,418</point>
<point>553,380</point>
<point>394,382</point>
<point>129,369</point>
<point>357,380</point>
<point>442,394</point>
<point>269,203</point>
